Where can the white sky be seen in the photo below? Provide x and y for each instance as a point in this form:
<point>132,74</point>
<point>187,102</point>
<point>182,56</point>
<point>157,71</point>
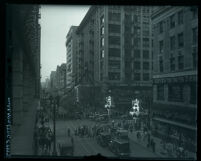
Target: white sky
<point>55,23</point>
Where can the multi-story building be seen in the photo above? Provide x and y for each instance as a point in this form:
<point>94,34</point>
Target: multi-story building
<point>175,73</point>
<point>115,50</point>
<point>23,51</point>
<point>61,77</point>
<point>71,57</point>
<point>53,80</point>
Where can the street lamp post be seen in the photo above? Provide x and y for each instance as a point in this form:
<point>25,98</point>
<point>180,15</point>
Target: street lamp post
<point>54,123</point>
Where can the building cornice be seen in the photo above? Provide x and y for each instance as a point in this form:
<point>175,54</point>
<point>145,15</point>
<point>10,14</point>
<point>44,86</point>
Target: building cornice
<point>86,18</point>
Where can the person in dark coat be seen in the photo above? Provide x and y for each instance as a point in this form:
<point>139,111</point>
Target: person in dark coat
<point>149,139</point>
<point>153,145</point>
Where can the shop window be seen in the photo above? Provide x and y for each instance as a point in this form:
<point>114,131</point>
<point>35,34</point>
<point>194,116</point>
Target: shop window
<point>160,92</point>
<point>175,93</point>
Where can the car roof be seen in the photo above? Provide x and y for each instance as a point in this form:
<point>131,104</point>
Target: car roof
<point>105,133</point>
<point>121,141</point>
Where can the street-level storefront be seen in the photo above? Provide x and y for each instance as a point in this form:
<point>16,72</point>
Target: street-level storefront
<point>174,109</point>
<point>175,125</point>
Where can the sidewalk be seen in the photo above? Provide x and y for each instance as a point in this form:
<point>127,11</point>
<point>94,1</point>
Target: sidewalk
<point>158,146</point>
<point>22,141</point>
<point>133,137</point>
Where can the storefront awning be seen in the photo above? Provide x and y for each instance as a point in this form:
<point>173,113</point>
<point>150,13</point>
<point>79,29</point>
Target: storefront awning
<point>175,123</point>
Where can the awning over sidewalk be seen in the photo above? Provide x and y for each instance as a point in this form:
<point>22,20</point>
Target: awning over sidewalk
<point>175,123</point>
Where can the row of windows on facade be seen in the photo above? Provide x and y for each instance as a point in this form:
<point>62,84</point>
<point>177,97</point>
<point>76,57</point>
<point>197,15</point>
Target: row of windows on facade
<point>176,92</point>
<point>172,19</point>
<point>115,53</point>
<point>180,41</point>
<point>116,40</point>
<point>115,64</point>
<point>116,76</point>
<point>131,8</point>
<point>116,17</point>
<point>136,30</point>
<point>180,63</point>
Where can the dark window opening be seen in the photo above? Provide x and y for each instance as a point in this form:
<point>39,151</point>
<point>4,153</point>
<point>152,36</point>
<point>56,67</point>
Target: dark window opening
<point>145,54</point>
<point>145,76</point>
<point>180,40</point>
<point>146,65</point>
<point>137,65</point>
<point>160,92</point>
<point>114,52</point>
<point>175,93</point>
<point>136,76</point>
<point>114,40</point>
<point>114,64</point>
<point>114,16</point>
<point>181,62</point>
<point>180,18</point>
<point>113,28</point>
<point>114,76</point>
<point>172,64</point>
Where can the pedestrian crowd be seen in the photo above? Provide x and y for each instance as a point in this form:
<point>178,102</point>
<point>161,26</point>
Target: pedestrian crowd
<point>43,135</point>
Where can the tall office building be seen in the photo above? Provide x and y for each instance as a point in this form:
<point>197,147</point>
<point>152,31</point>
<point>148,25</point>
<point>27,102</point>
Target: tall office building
<point>71,57</point>
<point>23,50</point>
<point>115,48</point>
<point>175,73</point>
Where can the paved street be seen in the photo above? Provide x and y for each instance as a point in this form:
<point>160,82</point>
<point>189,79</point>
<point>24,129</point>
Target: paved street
<point>85,146</point>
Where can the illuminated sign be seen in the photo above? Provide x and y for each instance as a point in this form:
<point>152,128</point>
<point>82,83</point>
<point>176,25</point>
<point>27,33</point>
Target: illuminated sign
<point>135,111</point>
<point>108,102</point>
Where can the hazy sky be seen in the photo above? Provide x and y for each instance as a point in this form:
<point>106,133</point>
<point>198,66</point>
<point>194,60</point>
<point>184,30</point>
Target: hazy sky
<point>55,23</point>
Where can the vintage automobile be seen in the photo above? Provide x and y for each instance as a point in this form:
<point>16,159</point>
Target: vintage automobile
<point>122,134</point>
<point>120,147</point>
<point>66,148</point>
<point>104,138</point>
